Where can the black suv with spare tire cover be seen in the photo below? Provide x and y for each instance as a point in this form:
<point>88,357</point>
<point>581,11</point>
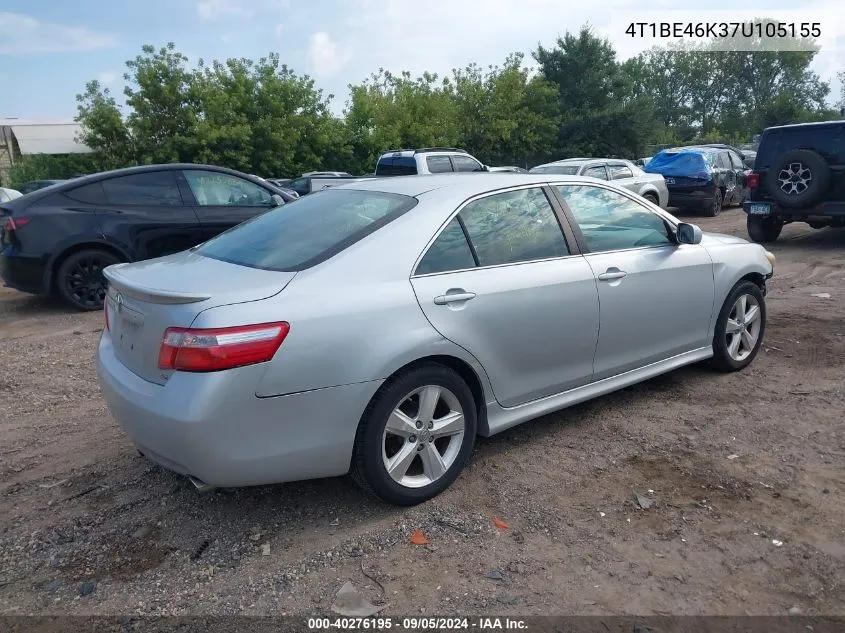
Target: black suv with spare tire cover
<point>799,176</point>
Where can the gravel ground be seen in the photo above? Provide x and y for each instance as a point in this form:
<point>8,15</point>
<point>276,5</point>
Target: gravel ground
<point>744,473</point>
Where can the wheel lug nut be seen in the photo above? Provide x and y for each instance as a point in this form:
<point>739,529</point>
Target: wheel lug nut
<point>431,425</point>
<point>419,424</point>
<point>412,439</point>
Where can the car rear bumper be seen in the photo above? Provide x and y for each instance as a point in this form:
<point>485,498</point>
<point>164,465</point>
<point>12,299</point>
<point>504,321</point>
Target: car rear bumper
<point>213,427</point>
<point>22,272</point>
<point>696,198</point>
<point>825,209</point>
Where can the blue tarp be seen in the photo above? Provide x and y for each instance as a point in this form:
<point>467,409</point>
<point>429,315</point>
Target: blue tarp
<point>681,162</point>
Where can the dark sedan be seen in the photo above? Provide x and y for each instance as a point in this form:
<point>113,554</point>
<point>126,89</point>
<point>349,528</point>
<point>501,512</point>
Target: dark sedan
<point>701,177</point>
<point>59,239</point>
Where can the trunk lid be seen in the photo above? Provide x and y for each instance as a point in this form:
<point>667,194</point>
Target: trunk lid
<point>145,298</point>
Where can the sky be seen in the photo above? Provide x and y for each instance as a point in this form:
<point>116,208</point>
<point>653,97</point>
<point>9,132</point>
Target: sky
<point>49,49</point>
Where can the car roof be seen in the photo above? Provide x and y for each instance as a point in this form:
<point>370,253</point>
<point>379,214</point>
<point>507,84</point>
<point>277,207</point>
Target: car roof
<point>806,125</point>
<point>73,183</point>
<point>462,184</point>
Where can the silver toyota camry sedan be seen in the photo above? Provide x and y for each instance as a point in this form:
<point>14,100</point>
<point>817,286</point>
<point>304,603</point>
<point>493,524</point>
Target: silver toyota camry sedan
<point>378,327</point>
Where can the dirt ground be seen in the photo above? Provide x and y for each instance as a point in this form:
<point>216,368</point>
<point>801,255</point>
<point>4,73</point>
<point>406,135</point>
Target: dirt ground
<point>746,473</point>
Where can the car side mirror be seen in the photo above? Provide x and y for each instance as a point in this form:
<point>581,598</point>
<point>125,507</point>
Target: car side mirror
<point>278,201</point>
<point>689,234</point>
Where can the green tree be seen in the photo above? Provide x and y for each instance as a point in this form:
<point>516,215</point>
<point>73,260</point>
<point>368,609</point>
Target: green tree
<point>51,167</point>
<point>506,116</point>
<point>103,128</point>
<point>389,111</point>
<point>602,114</point>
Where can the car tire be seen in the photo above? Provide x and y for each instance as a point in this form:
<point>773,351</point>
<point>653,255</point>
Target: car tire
<point>798,179</point>
<point>652,197</point>
<point>424,460</point>
<point>80,281</point>
<point>763,230</point>
<point>714,206</point>
<point>739,334</point>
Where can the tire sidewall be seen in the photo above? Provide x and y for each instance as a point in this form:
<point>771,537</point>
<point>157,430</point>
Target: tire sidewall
<point>819,184</point>
<point>763,230</point>
<point>61,275</point>
<point>720,345</point>
<point>368,446</point>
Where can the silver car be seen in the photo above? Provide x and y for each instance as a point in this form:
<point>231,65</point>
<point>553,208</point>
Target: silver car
<point>623,173</point>
<point>380,326</point>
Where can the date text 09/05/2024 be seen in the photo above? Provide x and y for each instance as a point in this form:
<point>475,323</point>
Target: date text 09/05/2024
<point>480,624</point>
<point>679,30</point>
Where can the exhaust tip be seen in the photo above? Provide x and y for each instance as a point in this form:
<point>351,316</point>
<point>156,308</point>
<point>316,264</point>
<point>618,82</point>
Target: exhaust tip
<point>201,485</point>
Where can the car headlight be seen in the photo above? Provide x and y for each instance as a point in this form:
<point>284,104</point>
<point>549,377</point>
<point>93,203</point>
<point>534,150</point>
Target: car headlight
<point>771,257</point>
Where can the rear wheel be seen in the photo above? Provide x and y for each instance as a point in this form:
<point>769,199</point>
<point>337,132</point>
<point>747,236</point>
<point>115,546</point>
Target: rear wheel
<point>714,207</point>
<point>763,229</point>
<point>80,281</point>
<point>739,328</point>
<point>652,198</point>
<point>415,436</point>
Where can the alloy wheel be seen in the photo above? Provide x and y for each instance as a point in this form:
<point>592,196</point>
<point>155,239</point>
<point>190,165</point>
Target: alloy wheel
<point>743,327</point>
<point>85,282</point>
<point>795,179</point>
<point>423,436</point>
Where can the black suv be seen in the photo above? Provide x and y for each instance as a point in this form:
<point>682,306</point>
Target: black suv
<point>799,176</point>
<point>58,240</point>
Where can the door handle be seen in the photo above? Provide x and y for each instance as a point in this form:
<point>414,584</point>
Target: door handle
<point>453,297</point>
<point>612,273</point>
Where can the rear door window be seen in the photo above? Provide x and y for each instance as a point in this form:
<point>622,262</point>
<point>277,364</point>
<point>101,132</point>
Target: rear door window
<point>450,252</point>
<point>307,231</point>
<point>438,164</point>
<point>212,188</point>
<point>396,166</point>
<point>151,189</point>
<point>514,226</point>
<point>619,171</point>
<point>465,163</point>
<point>597,171</point>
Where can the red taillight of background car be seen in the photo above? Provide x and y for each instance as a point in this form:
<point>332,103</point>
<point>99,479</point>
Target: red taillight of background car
<point>13,224</point>
<point>753,181</point>
<point>192,349</point>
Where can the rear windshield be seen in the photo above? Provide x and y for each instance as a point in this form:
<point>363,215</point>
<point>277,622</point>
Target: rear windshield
<point>396,166</point>
<point>565,170</point>
<point>681,163</point>
<point>307,231</point>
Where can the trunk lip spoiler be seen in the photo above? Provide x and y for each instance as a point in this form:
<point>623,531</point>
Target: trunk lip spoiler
<point>120,284</point>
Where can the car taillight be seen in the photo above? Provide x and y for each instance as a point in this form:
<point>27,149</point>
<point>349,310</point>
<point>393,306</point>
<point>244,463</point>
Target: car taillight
<point>187,349</point>
<point>106,313</point>
<point>753,181</point>
<point>13,224</point>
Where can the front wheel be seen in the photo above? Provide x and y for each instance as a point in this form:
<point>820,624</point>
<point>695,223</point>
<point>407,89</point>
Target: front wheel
<point>80,280</point>
<point>415,436</point>
<point>739,328</point>
<point>652,197</point>
<point>763,229</point>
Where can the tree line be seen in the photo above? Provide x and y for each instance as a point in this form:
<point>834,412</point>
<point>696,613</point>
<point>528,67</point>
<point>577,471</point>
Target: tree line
<point>576,98</point>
